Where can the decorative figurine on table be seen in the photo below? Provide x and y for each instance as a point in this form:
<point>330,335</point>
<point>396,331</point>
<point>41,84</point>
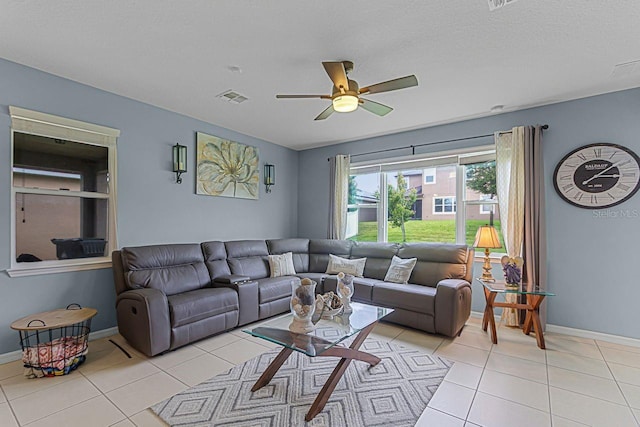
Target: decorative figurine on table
<point>303,300</point>
<point>345,291</point>
<point>512,268</point>
<point>328,305</point>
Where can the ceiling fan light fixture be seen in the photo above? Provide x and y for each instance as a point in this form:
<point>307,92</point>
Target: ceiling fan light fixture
<point>345,103</point>
<point>345,93</point>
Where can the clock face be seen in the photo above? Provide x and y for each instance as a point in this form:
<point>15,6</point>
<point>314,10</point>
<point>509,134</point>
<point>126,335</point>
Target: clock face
<point>598,176</point>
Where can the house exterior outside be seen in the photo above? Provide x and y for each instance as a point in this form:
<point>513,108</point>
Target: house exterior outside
<point>436,200</point>
<point>436,190</point>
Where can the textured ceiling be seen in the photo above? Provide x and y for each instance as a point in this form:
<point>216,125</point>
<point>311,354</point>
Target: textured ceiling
<point>178,54</point>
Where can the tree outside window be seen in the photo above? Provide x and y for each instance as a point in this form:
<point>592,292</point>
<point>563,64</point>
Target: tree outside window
<point>401,201</point>
<point>481,177</point>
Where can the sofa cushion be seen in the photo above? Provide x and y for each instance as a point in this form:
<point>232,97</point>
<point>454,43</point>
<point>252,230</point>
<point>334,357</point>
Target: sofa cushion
<point>319,250</point>
<point>400,270</point>
<point>362,287</point>
<point>405,296</point>
<point>281,265</point>
<point>436,261</point>
<point>215,258</point>
<point>248,258</point>
<point>378,257</point>
<point>354,267</point>
<point>274,288</point>
<point>172,268</point>
<point>189,307</point>
<point>299,249</point>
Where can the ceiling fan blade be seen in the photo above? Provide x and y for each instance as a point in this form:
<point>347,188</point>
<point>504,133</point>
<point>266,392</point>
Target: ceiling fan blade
<point>375,107</point>
<point>394,84</point>
<point>337,74</point>
<point>302,96</point>
<point>326,113</point>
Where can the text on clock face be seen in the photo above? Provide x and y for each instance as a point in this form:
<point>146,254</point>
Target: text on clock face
<point>596,166</point>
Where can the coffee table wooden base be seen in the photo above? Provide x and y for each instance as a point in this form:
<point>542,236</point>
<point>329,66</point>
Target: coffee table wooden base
<point>532,320</point>
<point>345,354</point>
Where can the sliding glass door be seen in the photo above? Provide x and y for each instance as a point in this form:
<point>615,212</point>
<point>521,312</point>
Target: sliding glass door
<point>422,205</point>
<point>364,206</point>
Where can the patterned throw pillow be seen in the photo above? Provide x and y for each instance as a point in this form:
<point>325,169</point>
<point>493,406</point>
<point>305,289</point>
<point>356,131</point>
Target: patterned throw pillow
<point>400,270</point>
<point>282,265</point>
<point>355,267</point>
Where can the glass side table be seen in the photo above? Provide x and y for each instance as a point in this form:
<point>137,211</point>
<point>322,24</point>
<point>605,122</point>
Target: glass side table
<point>534,296</point>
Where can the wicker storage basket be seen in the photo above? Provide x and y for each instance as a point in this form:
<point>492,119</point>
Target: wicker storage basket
<point>54,342</point>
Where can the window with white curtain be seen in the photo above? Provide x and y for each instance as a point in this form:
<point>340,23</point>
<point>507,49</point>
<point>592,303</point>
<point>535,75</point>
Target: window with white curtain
<point>444,208</point>
<point>63,194</point>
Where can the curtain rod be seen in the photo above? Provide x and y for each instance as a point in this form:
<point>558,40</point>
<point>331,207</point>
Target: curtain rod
<point>413,147</point>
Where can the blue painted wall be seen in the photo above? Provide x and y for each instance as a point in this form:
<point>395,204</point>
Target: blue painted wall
<point>151,207</point>
<point>592,255</point>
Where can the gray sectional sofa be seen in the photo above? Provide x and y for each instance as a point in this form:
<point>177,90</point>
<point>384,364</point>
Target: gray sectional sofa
<point>171,295</point>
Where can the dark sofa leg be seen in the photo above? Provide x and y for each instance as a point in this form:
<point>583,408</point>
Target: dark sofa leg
<point>460,332</point>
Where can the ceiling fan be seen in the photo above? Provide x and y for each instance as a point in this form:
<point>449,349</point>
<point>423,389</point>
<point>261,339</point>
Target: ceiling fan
<point>345,95</point>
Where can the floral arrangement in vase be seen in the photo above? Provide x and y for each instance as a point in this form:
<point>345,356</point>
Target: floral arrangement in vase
<point>512,268</point>
<point>345,290</point>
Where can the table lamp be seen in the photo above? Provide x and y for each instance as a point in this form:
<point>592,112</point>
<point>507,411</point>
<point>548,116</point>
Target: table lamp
<point>487,238</point>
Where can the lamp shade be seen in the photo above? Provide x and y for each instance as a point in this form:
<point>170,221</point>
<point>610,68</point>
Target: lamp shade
<point>487,237</point>
<point>345,103</point>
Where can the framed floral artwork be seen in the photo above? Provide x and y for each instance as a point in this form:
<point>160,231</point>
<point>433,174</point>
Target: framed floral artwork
<point>226,168</point>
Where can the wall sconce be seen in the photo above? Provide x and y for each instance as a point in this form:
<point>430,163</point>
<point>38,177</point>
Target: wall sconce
<point>269,176</point>
<point>179,161</point>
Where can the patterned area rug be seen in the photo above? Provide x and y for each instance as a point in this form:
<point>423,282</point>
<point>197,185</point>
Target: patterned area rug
<point>394,392</point>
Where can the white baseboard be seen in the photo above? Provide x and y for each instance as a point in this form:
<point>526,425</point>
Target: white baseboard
<point>478,315</point>
<point>103,333</point>
<point>10,357</point>
<point>582,333</point>
<point>17,355</point>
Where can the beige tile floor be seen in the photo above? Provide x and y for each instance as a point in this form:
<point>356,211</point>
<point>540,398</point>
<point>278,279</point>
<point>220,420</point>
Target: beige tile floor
<point>575,382</point>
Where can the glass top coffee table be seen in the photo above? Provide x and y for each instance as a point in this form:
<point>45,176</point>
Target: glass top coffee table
<point>534,297</point>
<point>324,341</point>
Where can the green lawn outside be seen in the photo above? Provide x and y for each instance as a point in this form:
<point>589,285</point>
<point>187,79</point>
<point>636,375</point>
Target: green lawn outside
<point>424,231</point>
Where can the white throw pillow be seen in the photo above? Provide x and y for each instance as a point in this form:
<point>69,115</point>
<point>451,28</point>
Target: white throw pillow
<point>282,265</point>
<point>400,270</point>
<point>355,267</point>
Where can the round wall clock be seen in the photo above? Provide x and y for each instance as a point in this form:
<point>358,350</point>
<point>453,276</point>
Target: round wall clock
<point>598,176</point>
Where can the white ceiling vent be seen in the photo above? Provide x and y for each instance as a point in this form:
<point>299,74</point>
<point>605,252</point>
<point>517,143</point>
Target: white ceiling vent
<point>232,96</point>
<point>626,69</point>
<point>497,4</point>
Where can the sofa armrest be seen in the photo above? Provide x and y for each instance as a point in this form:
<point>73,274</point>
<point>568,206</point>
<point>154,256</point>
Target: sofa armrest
<point>452,306</point>
<point>247,298</point>
<point>143,319</point>
<point>232,278</point>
